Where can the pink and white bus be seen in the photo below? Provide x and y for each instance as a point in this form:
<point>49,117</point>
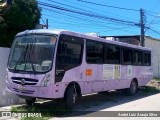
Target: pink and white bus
<point>52,64</point>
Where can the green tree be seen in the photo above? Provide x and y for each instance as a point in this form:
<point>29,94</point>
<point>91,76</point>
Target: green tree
<point>22,15</point>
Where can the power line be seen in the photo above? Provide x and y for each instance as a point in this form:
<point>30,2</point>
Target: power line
<point>151,23</point>
<point>102,11</point>
<point>108,5</point>
<point>73,11</point>
<point>107,28</point>
<point>84,25</point>
<point>155,31</point>
<point>94,28</point>
<point>43,20</point>
<point>151,13</point>
<point>72,19</point>
<point>117,29</point>
<point>77,8</point>
<point>100,17</point>
<point>88,14</point>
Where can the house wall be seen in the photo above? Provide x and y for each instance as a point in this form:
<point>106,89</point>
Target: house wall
<point>154,44</point>
<point>6,98</point>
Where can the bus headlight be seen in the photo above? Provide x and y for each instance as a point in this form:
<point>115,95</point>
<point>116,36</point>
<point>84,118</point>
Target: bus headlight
<point>46,80</point>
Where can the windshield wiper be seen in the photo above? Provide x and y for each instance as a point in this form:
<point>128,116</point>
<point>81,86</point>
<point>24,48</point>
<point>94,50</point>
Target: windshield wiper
<point>28,57</point>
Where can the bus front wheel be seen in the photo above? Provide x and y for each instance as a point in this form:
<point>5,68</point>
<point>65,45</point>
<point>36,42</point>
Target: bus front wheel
<point>30,102</point>
<point>133,88</point>
<point>71,97</point>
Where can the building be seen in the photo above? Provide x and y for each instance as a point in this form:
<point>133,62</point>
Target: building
<point>150,42</point>
<point>155,45</point>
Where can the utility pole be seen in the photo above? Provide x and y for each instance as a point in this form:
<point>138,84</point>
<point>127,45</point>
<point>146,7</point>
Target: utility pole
<point>46,23</point>
<point>142,26</point>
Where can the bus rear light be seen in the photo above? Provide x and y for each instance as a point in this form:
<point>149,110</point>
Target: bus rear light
<point>46,80</point>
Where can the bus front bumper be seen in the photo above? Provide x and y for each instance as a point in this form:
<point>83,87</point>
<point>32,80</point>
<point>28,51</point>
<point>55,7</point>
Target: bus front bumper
<point>32,91</point>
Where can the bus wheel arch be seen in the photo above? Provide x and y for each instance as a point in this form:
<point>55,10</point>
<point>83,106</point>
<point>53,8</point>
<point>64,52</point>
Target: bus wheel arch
<point>71,94</point>
<point>136,80</point>
<point>133,87</point>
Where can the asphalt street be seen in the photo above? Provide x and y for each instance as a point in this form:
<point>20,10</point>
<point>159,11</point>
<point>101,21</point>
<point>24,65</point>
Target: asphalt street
<point>150,103</point>
<point>104,107</point>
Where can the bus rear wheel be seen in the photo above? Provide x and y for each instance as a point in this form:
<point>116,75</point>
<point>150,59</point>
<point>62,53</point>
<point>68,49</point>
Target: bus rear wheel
<point>71,97</point>
<point>133,88</point>
<point>30,102</point>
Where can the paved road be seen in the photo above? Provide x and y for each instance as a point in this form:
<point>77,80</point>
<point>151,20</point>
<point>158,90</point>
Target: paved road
<point>114,101</point>
<point>149,103</point>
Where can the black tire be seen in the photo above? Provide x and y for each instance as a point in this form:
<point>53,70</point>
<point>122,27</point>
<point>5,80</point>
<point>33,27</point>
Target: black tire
<point>30,102</point>
<point>132,89</point>
<point>70,97</point>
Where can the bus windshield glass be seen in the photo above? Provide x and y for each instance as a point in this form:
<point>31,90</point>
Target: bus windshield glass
<point>32,53</point>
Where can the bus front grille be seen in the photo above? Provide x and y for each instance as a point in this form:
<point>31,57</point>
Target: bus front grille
<point>24,81</point>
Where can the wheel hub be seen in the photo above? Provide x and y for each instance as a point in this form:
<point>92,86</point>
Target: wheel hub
<point>133,88</point>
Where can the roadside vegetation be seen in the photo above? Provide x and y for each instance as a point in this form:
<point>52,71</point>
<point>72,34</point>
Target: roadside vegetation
<point>153,86</point>
<point>47,110</point>
<point>21,15</point>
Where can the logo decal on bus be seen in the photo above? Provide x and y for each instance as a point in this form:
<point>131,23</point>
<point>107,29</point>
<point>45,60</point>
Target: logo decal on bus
<point>111,71</point>
<point>117,72</point>
<point>22,81</point>
<point>129,71</point>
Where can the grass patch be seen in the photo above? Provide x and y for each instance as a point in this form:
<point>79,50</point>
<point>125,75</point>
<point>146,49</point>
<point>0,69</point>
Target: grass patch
<point>150,89</point>
<point>47,110</point>
<point>156,79</point>
<point>153,86</point>
<point>35,118</point>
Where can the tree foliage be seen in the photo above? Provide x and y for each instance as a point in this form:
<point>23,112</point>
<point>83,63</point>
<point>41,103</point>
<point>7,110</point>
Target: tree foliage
<point>22,15</point>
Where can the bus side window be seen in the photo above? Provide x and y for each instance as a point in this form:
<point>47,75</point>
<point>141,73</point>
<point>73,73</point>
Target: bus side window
<point>112,54</point>
<point>137,57</point>
<point>69,55</point>
<point>127,56</point>
<point>94,52</point>
<point>147,59</point>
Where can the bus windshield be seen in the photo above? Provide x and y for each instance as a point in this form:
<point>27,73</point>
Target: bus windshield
<point>32,53</point>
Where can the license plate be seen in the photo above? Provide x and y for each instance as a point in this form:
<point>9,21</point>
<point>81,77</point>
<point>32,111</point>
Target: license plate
<point>21,88</point>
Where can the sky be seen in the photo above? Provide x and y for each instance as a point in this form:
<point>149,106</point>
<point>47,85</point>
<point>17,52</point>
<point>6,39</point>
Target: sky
<point>104,17</point>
